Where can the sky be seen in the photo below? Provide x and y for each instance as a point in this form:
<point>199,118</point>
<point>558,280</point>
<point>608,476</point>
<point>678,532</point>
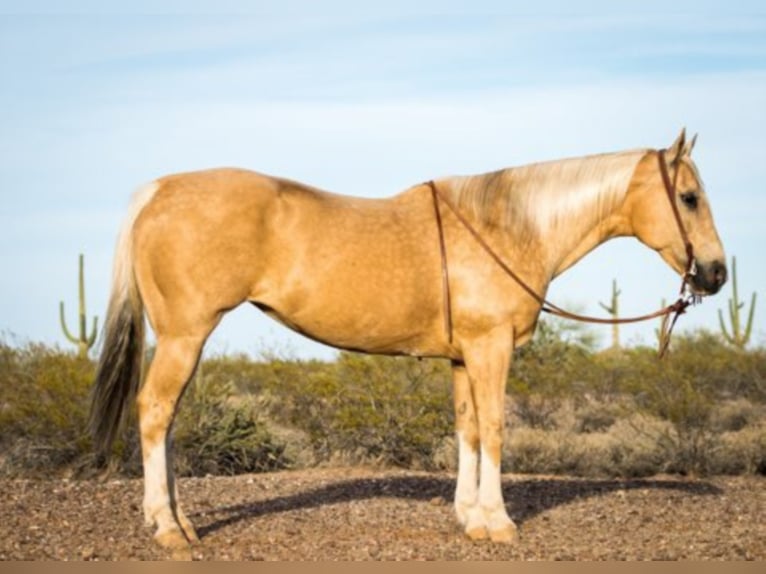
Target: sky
<point>96,101</point>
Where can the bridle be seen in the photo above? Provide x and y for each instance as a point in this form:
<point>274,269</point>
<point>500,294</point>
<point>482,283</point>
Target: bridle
<point>685,296</point>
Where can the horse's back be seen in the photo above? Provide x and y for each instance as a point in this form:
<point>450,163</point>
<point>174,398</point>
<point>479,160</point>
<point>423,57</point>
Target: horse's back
<point>222,201</point>
<point>314,259</point>
<point>228,183</point>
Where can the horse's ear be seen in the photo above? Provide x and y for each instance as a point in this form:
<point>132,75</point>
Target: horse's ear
<point>689,146</point>
<point>674,151</point>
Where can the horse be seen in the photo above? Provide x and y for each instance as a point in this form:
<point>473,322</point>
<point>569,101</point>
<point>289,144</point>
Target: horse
<point>400,276</point>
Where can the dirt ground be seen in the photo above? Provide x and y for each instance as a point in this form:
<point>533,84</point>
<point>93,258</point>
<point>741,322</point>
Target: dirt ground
<point>368,514</point>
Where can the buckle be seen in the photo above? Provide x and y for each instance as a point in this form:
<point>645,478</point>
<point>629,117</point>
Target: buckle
<point>692,271</point>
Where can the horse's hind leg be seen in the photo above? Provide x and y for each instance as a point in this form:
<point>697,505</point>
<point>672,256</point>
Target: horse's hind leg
<point>172,367</point>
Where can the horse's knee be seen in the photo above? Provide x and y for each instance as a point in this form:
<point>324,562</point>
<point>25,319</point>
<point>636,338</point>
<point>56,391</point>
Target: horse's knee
<point>492,441</point>
<point>154,420</point>
<point>468,436</point>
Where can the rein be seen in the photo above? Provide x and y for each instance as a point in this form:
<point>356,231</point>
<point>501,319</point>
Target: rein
<point>685,299</point>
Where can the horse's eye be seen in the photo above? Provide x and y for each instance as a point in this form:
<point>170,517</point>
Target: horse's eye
<point>690,199</point>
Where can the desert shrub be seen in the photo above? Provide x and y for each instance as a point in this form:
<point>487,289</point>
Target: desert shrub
<point>287,386</point>
<point>742,374</point>
<point>684,390</point>
<point>545,371</point>
<point>218,433</point>
<point>445,455</point>
<point>270,375</point>
<point>43,408</point>
<point>628,449</point>
<point>393,410</point>
<point>735,415</point>
<point>595,416</point>
<point>537,451</point>
<point>741,452</point>
<point>719,370</point>
<point>634,448</point>
<point>534,408</point>
<point>238,371</point>
<point>684,402</point>
<point>571,410</point>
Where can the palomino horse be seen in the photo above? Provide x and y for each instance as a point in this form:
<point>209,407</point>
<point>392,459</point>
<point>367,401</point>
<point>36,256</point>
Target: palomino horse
<point>373,275</point>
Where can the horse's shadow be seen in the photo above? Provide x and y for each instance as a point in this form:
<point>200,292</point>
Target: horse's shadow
<point>526,498</point>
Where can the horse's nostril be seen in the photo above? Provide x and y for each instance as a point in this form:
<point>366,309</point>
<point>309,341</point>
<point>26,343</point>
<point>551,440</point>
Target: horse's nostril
<point>719,273</point>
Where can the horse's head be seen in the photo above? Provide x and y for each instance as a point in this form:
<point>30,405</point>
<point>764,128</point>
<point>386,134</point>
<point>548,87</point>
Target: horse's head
<point>654,222</point>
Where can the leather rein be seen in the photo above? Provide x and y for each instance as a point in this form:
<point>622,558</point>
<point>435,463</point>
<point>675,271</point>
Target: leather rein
<point>685,298</point>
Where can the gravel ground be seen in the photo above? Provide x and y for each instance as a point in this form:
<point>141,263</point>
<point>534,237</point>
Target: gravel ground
<point>368,514</point>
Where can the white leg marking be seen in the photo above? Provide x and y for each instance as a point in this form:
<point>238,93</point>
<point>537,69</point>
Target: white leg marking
<point>156,495</point>
<point>496,519</point>
<point>466,493</point>
<point>490,493</point>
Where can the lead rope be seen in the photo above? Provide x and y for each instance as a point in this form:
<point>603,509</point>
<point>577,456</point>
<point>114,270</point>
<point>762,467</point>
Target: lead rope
<point>677,309</point>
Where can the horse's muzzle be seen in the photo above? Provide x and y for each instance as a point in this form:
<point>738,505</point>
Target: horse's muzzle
<point>709,277</point>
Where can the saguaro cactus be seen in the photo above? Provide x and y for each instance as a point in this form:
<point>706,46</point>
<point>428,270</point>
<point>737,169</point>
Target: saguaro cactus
<point>83,341</point>
<point>614,310</point>
<point>737,337</point>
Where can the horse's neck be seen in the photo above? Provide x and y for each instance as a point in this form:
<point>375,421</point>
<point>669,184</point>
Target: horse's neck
<point>565,248</point>
<point>586,210</point>
<point>555,212</point>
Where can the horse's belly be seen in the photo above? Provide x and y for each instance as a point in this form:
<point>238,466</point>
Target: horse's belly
<point>372,330</point>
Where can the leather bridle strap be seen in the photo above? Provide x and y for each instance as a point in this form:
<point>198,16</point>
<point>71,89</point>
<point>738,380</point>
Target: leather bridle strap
<point>666,329</point>
<point>677,308</point>
<point>445,268</point>
<point>670,188</point>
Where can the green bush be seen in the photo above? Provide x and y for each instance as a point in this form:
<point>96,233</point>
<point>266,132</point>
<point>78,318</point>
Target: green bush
<point>395,411</point>
<point>43,409</point>
<point>742,451</point>
<point>360,408</point>
<point>571,409</point>
<point>701,390</point>
<point>685,390</point>
<point>546,371</point>
<point>217,433</point>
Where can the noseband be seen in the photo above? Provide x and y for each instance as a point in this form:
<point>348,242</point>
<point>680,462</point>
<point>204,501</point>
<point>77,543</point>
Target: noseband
<point>685,298</point>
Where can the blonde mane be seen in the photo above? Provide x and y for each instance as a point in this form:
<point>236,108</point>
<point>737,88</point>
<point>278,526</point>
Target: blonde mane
<point>536,199</point>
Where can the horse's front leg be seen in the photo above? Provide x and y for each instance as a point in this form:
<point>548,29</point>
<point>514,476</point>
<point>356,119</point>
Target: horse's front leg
<point>487,361</point>
<point>467,434</point>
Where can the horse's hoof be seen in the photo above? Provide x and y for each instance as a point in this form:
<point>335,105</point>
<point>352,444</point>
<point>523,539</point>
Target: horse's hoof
<point>172,539</point>
<point>506,535</point>
<point>476,533</point>
<point>182,554</point>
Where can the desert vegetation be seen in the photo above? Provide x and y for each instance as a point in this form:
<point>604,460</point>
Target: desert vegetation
<point>571,409</point>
